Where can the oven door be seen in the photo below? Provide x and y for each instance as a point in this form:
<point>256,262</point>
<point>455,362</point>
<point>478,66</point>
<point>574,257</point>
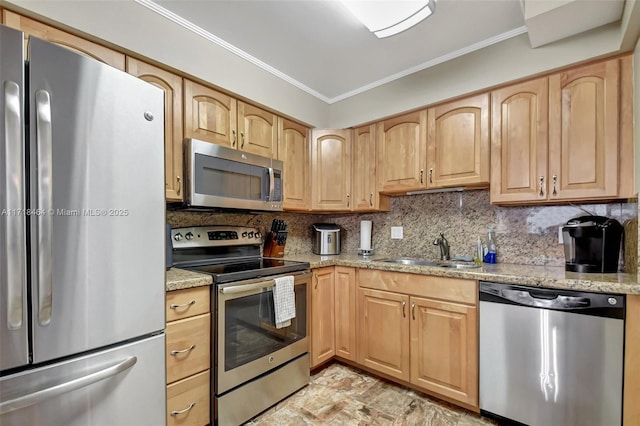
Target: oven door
<point>247,342</point>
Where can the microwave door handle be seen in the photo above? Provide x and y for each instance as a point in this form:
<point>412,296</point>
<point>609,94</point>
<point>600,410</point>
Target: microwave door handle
<point>15,254</point>
<point>272,184</point>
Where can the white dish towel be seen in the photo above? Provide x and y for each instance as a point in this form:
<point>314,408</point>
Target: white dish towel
<point>284,301</point>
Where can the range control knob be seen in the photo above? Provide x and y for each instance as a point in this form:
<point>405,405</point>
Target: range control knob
<point>250,234</point>
<point>244,234</point>
<point>178,237</point>
<point>188,236</point>
<point>258,235</point>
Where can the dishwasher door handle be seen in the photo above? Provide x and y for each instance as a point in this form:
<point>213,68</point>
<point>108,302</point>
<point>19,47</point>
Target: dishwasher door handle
<point>559,302</point>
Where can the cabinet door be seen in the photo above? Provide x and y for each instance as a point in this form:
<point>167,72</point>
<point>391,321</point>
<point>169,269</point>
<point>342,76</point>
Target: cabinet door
<point>258,130</point>
<point>444,349</point>
<point>345,312</point>
<point>458,143</point>
<point>293,151</point>
<point>322,316</point>
<point>364,191</point>
<point>62,38</point>
<point>383,332</point>
<point>401,143</point>
<point>583,132</point>
<point>519,138</point>
<point>331,169</point>
<point>209,115</point>
<point>171,84</point>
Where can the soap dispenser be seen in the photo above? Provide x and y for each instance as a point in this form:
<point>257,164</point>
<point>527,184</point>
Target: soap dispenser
<point>490,257</point>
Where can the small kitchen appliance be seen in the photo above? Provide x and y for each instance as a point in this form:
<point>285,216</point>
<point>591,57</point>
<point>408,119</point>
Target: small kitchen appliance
<point>325,238</point>
<point>592,244</point>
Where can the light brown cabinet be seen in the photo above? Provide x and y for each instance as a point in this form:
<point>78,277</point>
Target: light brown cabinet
<point>401,143</point>
<point>421,330</point>
<point>562,137</point>
<point>188,356</point>
<point>213,116</point>
<point>322,316</point>
<point>293,151</point>
<point>171,84</point>
<point>364,186</point>
<point>458,143</point>
<point>331,170</point>
<point>345,312</point>
<point>444,354</point>
<point>63,38</point>
<point>383,332</point>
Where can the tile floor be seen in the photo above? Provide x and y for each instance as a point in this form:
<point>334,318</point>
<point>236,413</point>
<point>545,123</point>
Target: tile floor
<point>342,395</point>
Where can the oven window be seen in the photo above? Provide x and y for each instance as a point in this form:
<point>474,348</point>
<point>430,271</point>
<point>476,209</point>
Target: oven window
<point>250,331</point>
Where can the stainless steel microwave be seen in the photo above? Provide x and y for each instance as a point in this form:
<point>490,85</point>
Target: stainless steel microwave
<point>221,177</point>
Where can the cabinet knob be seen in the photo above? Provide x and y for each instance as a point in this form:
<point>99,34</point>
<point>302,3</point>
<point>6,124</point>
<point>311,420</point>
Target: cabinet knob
<point>431,176</point>
<point>542,186</point>
<point>555,184</point>
<point>179,185</point>
<point>421,176</point>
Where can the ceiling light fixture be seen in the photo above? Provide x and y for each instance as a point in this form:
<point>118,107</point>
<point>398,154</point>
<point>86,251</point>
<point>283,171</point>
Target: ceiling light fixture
<point>387,18</point>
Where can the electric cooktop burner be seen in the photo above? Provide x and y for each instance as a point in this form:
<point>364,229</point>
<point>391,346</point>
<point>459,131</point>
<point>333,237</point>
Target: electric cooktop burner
<point>227,253</point>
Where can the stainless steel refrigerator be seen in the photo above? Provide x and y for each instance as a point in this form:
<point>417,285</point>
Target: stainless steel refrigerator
<point>81,240</point>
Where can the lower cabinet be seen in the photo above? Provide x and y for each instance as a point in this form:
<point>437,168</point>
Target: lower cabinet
<point>345,312</point>
<point>188,356</point>
<point>421,330</point>
<point>322,316</point>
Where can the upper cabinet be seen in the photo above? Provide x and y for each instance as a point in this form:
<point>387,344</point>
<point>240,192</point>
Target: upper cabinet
<point>331,170</point>
<point>171,84</point>
<point>458,143</point>
<point>365,196</point>
<point>218,118</point>
<point>63,38</point>
<point>519,141</point>
<point>562,137</point>
<point>583,132</point>
<point>401,143</point>
<point>293,151</point>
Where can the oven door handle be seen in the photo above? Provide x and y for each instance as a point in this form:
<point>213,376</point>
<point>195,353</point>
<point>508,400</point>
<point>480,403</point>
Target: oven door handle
<point>243,288</point>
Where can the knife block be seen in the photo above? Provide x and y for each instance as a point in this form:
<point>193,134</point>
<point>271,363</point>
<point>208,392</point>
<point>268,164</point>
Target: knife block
<point>273,248</point>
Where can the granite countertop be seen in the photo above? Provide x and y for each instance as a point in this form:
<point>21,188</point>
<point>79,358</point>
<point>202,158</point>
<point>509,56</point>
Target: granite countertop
<point>178,279</point>
<point>538,276</point>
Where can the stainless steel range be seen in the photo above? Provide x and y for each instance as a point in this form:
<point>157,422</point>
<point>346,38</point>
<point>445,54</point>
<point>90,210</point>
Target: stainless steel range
<point>255,363</point>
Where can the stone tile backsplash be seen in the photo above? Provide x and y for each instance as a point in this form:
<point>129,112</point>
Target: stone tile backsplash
<point>524,235</point>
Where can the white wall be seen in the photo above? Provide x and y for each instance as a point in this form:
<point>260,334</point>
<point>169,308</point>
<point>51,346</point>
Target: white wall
<point>119,22</point>
<point>137,29</point>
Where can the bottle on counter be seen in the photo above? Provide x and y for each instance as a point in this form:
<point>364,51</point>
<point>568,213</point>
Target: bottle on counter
<point>478,254</point>
<point>490,257</point>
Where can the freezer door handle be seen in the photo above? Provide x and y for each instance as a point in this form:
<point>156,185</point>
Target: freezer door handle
<point>66,387</point>
<point>15,257</point>
<point>559,302</point>
<point>44,209</point>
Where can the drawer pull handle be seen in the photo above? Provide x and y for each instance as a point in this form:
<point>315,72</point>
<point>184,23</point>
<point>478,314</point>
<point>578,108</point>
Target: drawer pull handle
<point>176,306</point>
<point>175,352</point>
<point>175,413</point>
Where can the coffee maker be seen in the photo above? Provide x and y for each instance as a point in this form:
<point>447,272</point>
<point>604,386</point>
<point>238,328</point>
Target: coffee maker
<point>592,244</point>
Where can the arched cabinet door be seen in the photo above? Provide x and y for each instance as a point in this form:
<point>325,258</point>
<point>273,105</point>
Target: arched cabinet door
<point>85,47</point>
<point>257,130</point>
<point>171,84</point>
<point>331,170</point>
<point>209,115</point>
<point>401,143</point>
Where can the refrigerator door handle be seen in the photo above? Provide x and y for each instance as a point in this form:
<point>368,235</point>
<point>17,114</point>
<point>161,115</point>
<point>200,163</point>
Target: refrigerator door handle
<point>66,387</point>
<point>15,258</point>
<point>44,211</point>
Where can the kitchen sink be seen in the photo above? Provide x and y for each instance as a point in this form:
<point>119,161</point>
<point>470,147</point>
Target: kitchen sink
<point>459,265</point>
<point>407,261</point>
<point>424,262</point>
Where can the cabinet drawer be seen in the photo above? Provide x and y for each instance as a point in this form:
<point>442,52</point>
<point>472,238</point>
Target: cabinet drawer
<point>187,303</point>
<point>444,288</point>
<point>190,342</point>
<point>181,395</point>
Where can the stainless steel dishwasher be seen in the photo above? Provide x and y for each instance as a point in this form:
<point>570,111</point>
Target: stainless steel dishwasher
<point>551,357</point>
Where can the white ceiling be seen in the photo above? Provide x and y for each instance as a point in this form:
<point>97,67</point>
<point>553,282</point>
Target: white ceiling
<point>320,47</point>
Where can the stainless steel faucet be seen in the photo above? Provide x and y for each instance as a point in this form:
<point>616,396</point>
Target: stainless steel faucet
<point>442,242</point>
